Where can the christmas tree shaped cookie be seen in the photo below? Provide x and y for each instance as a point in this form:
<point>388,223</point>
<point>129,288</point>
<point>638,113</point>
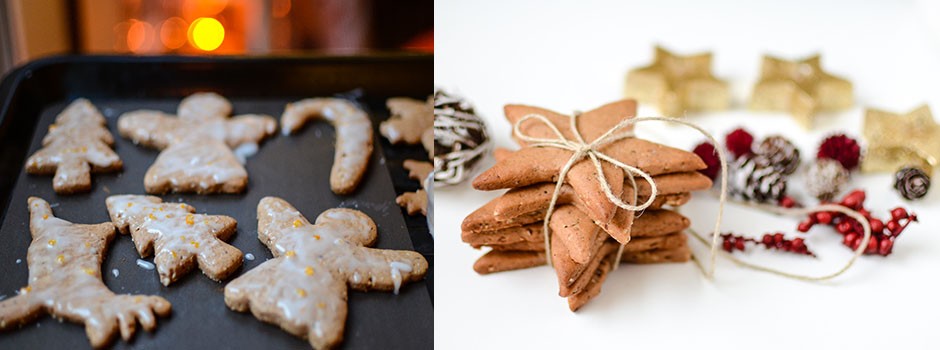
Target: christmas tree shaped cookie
<point>77,144</point>
<point>65,281</point>
<point>178,237</point>
<point>303,289</point>
<point>197,145</point>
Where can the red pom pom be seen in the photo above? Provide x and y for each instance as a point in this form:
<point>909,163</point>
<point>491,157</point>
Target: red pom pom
<point>841,148</point>
<point>739,142</point>
<point>709,155</point>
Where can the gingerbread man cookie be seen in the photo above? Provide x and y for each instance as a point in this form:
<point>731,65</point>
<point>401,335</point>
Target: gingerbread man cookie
<point>197,144</point>
<point>65,281</point>
<point>179,237</point>
<point>353,136</point>
<point>303,288</point>
<point>77,145</point>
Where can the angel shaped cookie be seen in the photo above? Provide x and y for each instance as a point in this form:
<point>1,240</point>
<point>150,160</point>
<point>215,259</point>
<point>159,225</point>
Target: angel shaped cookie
<point>197,144</point>
<point>77,145</point>
<point>303,288</point>
<point>65,281</point>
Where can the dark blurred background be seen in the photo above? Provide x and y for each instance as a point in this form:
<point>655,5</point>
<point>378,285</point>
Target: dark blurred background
<point>35,28</point>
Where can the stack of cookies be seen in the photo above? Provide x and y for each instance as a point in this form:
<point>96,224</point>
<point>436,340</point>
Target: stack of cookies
<point>586,227</point>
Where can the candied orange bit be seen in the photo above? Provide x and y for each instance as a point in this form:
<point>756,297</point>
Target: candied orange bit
<point>174,253</point>
<point>161,209</point>
<point>183,206</point>
<point>289,253</point>
<point>297,223</point>
<point>194,243</point>
<point>26,289</point>
<point>189,219</point>
<point>130,205</point>
<point>321,305</point>
<point>169,216</point>
<point>309,271</point>
<point>88,271</point>
<point>84,149</point>
<point>60,259</point>
<point>52,242</point>
<point>182,238</point>
<point>45,216</point>
<point>317,237</point>
<point>301,292</point>
<point>87,244</point>
<point>152,217</point>
<point>207,222</point>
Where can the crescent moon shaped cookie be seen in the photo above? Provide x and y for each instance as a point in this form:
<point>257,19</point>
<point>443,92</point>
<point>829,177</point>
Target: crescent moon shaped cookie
<point>65,281</point>
<point>179,237</point>
<point>197,145</point>
<point>303,288</point>
<point>77,145</point>
<point>353,136</point>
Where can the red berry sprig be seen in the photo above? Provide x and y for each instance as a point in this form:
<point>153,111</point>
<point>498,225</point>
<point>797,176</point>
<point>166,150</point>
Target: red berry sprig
<point>777,241</point>
<point>882,234</point>
<point>739,142</point>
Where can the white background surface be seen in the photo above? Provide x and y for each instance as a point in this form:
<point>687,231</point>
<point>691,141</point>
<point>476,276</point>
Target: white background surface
<point>570,56</point>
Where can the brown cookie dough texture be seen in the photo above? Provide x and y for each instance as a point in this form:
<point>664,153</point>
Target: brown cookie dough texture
<point>65,282</point>
<point>587,229</point>
<point>353,136</point>
<point>411,122</point>
<point>303,288</point>
<point>196,144</point>
<point>77,145</point>
<point>416,202</point>
<point>177,237</point>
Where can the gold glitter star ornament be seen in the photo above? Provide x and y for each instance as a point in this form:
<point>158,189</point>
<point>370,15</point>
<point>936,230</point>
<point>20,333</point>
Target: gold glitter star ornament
<point>898,140</point>
<point>801,88</point>
<point>676,84</point>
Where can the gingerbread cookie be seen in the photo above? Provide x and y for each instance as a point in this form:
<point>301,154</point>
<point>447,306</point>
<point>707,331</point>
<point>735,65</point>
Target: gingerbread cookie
<point>197,144</point>
<point>177,236</point>
<point>500,261</point>
<point>303,288</point>
<point>65,281</point>
<point>531,165</point>
<point>77,145</point>
<point>415,202</point>
<point>410,120</point>
<point>353,136</point>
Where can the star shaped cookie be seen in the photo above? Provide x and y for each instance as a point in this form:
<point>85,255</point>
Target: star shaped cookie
<point>531,165</point>
<point>303,288</point>
<point>897,140</point>
<point>676,84</point>
<point>65,281</point>
<point>801,88</point>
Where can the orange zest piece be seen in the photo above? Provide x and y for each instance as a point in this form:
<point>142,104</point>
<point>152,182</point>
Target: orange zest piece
<point>52,242</point>
<point>189,219</point>
<point>60,259</point>
<point>301,292</point>
<point>309,271</point>
<point>297,223</point>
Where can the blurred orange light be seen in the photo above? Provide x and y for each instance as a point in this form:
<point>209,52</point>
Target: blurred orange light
<point>206,33</point>
<point>139,36</point>
<point>202,8</point>
<point>173,33</point>
<point>280,8</point>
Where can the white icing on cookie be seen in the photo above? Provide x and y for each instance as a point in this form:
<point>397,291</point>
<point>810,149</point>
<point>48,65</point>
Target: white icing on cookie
<point>303,288</point>
<point>353,136</point>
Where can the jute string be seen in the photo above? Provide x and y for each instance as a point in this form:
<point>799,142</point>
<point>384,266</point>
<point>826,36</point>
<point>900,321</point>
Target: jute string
<point>581,149</point>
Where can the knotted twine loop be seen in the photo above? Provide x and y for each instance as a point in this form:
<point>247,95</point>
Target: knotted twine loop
<point>581,149</point>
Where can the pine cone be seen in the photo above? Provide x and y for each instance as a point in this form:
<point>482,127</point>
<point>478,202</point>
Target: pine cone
<point>825,178</point>
<point>782,154</point>
<point>754,178</point>
<point>912,183</point>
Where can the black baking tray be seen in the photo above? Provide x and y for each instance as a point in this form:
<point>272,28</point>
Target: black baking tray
<point>295,168</point>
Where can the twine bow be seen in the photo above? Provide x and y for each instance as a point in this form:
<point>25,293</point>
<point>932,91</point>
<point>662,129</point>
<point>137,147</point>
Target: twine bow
<point>581,149</point>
